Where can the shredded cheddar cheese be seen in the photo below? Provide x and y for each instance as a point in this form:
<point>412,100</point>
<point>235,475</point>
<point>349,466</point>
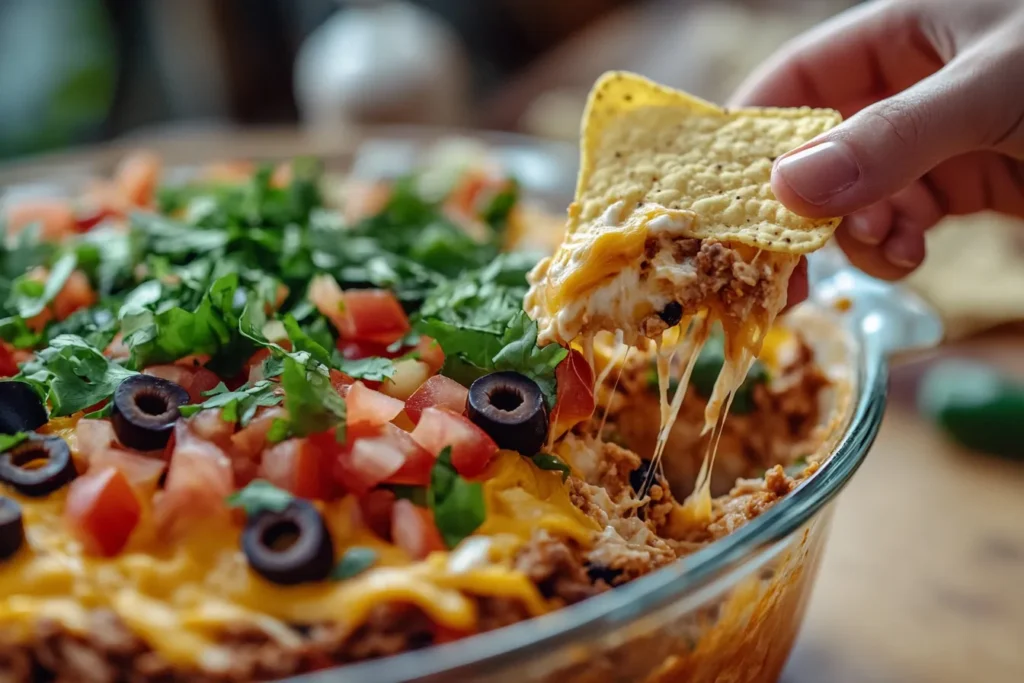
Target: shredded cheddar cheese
<point>179,597</point>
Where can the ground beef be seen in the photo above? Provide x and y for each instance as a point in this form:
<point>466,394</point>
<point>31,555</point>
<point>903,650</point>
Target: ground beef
<point>558,567</point>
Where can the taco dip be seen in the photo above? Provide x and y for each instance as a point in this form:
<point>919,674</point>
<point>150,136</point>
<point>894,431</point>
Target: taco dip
<point>270,422</point>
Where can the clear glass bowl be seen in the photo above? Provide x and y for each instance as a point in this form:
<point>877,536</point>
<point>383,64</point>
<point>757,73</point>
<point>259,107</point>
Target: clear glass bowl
<point>729,612</point>
<point>732,611</point>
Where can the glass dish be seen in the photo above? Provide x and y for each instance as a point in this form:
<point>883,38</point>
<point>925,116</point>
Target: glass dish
<point>729,612</point>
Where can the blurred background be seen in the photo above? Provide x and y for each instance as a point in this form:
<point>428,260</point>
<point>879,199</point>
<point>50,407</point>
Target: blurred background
<point>84,71</point>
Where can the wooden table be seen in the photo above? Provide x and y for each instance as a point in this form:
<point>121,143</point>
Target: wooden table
<point>923,578</point>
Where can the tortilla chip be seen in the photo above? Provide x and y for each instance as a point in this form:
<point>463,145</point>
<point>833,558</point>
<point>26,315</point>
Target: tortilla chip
<point>643,142</point>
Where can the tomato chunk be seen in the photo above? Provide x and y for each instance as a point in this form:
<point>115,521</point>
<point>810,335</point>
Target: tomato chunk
<point>413,530</point>
<point>439,391</point>
<point>372,315</point>
<point>198,480</point>
<point>574,401</point>
<point>472,448</point>
<point>295,465</point>
<point>375,454</point>
<point>430,352</point>
<point>369,406</point>
<point>102,510</point>
<point>142,472</point>
<point>375,511</point>
<point>92,437</point>
<point>195,381</point>
<point>251,439</point>
<point>8,365</point>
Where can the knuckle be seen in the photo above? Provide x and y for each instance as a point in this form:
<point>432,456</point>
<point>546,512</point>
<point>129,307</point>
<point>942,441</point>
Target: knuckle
<point>902,124</point>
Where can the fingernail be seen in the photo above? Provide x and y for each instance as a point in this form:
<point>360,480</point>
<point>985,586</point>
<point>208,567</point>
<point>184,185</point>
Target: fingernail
<point>821,172</point>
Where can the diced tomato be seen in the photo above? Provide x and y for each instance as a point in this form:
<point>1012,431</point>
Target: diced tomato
<point>369,406</point>
<point>250,440</point>
<point>92,437</point>
<point>418,460</point>
<point>438,391</point>
<point>372,315</point>
<point>472,448</point>
<point>195,381</point>
<point>294,465</point>
<point>375,511</point>
<point>367,459</point>
<point>8,365</point>
<point>413,530</point>
<point>75,294</point>
<point>86,220</point>
<point>142,471</point>
<point>574,401</point>
<point>55,217</point>
<point>430,352</point>
<point>117,349</point>
<point>136,177</point>
<point>102,509</point>
<point>375,454</point>
<point>409,375</point>
<point>198,480</point>
<point>211,426</point>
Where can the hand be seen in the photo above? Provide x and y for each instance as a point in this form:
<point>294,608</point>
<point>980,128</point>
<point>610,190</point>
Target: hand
<point>933,95</point>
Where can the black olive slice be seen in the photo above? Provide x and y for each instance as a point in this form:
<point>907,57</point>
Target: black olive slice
<point>12,528</point>
<point>38,466</point>
<point>289,547</point>
<point>510,408</point>
<point>145,410</point>
<point>672,313</point>
<point>21,409</point>
<point>637,476</point>
<point>599,572</point>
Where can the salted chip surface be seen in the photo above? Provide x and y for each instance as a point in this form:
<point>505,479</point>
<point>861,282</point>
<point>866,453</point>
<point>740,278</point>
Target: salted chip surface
<point>644,142</point>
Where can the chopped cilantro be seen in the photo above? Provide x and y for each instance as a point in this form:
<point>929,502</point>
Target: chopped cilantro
<point>312,403</point>
<point>546,461</point>
<point>415,494</point>
<point>73,375</point>
<point>9,441</point>
<point>238,406</point>
<point>260,496</point>
<point>375,369</point>
<point>458,504</point>
<point>354,562</point>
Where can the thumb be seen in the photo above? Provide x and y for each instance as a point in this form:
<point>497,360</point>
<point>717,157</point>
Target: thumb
<point>890,144</point>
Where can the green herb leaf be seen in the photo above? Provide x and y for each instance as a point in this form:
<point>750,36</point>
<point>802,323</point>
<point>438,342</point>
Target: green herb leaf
<point>354,562</point>
<point>547,461</point>
<point>458,505</point>
<point>73,375</point>
<point>9,441</point>
<point>260,496</point>
<point>374,369</point>
<point>417,495</point>
<point>312,403</point>
<point>30,297</point>
<point>238,406</point>
<point>522,355</point>
<point>499,208</point>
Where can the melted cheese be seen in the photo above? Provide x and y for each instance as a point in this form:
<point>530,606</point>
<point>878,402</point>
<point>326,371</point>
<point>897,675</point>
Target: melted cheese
<point>594,275</point>
<point>178,596</point>
<point>606,276</point>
